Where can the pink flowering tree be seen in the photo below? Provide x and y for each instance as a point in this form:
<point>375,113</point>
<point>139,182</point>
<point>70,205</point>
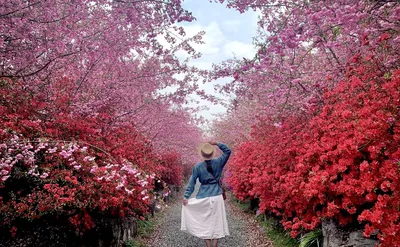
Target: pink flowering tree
<point>78,166</point>
<point>305,49</point>
<point>111,53</point>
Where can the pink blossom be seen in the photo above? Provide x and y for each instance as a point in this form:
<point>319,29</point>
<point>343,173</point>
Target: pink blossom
<point>120,186</point>
<point>130,192</point>
<point>52,150</point>
<point>88,158</point>
<point>93,169</point>
<point>65,154</point>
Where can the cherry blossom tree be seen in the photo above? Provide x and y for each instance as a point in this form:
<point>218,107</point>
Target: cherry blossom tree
<point>322,67</point>
<point>111,52</point>
<point>84,126</point>
<point>304,47</point>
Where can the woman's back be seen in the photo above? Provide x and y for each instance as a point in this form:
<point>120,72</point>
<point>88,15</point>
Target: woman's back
<point>209,184</point>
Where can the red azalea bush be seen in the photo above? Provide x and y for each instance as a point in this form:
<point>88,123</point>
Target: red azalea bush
<point>242,169</point>
<point>59,178</point>
<point>353,159</point>
<point>172,168</point>
<point>341,163</point>
<point>56,162</point>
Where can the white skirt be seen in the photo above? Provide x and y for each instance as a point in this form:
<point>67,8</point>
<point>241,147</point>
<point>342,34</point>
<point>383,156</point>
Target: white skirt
<point>205,218</point>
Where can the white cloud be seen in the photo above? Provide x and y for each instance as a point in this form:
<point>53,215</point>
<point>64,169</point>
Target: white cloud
<point>207,109</point>
<point>208,87</point>
<point>182,55</point>
<point>212,39</point>
<point>239,49</point>
<point>231,26</point>
<point>201,64</point>
<point>254,20</point>
<point>214,110</point>
<point>226,34</point>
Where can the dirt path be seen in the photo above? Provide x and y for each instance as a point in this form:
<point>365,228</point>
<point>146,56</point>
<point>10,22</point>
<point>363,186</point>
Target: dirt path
<point>243,229</point>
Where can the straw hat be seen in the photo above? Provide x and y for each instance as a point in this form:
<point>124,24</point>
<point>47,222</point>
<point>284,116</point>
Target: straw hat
<point>206,151</point>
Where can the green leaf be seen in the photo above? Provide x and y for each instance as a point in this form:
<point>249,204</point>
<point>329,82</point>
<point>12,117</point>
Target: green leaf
<point>387,76</point>
<point>336,31</point>
<point>312,239</point>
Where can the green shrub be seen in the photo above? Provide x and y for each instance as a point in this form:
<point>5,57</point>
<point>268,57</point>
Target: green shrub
<point>312,239</point>
<point>280,237</point>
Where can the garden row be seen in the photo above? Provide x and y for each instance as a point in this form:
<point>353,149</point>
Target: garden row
<point>87,133</point>
<point>63,166</point>
<point>314,124</point>
<point>341,163</point>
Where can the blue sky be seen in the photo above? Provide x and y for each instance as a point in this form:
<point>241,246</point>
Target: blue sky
<point>228,34</point>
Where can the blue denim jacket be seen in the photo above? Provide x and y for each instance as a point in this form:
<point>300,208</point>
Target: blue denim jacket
<point>209,187</point>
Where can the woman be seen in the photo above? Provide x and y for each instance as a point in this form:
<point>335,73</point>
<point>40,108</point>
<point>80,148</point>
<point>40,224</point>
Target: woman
<point>205,216</point>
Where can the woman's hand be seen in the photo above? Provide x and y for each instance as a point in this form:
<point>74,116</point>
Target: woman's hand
<point>213,143</point>
<point>185,201</point>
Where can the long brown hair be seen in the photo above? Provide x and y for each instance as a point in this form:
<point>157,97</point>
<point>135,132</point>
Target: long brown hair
<point>208,166</point>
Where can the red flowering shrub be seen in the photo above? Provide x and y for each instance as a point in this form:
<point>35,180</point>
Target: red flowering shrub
<point>172,168</point>
<point>341,164</point>
<point>242,169</point>
<point>56,162</point>
<point>353,159</point>
<point>45,177</point>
